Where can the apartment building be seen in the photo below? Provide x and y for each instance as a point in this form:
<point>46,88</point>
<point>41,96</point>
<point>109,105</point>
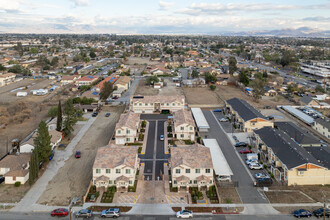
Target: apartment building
<point>245,116</point>
<point>156,104</point>
<point>191,166</point>
<point>290,163</point>
<point>322,126</point>
<point>183,125</point>
<point>126,130</point>
<point>7,78</point>
<point>115,166</point>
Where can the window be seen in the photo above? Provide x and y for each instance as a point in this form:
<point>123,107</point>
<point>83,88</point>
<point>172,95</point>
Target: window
<point>135,104</point>
<point>118,132</point>
<point>177,171</point>
<point>117,170</point>
<point>128,139</point>
<point>190,182</point>
<point>140,104</point>
<point>110,181</point>
<point>98,170</point>
<point>191,128</point>
<point>207,171</point>
<point>173,104</point>
<point>182,128</point>
<point>130,182</point>
<point>195,181</point>
<point>174,182</point>
<point>198,171</point>
<point>128,131</point>
<point>182,135</point>
<point>168,104</point>
<point>210,181</point>
<point>146,104</point>
<point>187,170</point>
<point>107,170</point>
<point>128,171</point>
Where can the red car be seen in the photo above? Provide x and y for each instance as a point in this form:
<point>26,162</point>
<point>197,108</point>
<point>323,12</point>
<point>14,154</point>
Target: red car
<point>60,212</point>
<point>78,154</point>
<point>245,151</point>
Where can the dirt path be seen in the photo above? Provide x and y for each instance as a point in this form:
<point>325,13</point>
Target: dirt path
<point>73,178</point>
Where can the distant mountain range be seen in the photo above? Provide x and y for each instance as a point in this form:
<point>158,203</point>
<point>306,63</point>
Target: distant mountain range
<point>289,32</point>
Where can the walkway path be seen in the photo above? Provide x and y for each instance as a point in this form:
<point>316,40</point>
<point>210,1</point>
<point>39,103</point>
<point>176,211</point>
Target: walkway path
<point>30,199</point>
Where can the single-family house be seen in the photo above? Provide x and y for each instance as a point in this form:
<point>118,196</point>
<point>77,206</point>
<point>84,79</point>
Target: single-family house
<point>183,125</point>
<point>123,82</point>
<point>191,166</point>
<point>15,168</point>
<point>86,80</point>
<point>309,101</point>
<point>115,166</point>
<point>69,79</point>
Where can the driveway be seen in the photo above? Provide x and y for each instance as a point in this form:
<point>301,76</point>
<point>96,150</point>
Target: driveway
<point>246,191</point>
<point>126,96</point>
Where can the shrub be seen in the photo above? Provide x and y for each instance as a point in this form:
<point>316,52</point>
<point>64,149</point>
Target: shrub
<point>170,135</point>
<point>265,166</point>
<point>213,87</point>
<point>188,142</point>
<point>169,128</point>
<point>139,150</point>
<point>17,184</point>
<point>250,147</point>
<point>143,124</point>
<point>199,140</point>
<point>228,201</point>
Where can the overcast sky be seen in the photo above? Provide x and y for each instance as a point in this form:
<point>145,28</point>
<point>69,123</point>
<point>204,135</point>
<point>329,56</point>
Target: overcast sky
<point>160,17</point>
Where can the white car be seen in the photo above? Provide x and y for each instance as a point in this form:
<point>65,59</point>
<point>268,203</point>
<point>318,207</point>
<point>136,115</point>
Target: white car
<point>184,214</point>
<point>223,119</point>
<point>255,166</point>
<point>161,137</point>
<point>248,162</point>
<point>223,178</point>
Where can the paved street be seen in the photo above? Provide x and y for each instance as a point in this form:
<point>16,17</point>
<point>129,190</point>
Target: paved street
<point>246,191</point>
<point>126,95</point>
<point>43,216</point>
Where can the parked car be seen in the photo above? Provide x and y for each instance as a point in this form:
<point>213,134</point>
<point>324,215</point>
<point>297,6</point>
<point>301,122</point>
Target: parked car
<point>114,213</point>
<point>59,212</point>
<point>184,214</point>
<point>77,154</point>
<point>255,166</point>
<point>320,212</point>
<point>245,151</point>
<point>248,162</point>
<point>161,137</point>
<point>217,110</point>
<point>223,178</point>
<point>52,155</point>
<point>241,144</point>
<point>94,114</point>
<point>262,182</point>
<point>107,114</point>
<point>223,119</point>
<point>261,175</point>
<point>116,97</point>
<point>302,213</point>
<point>85,213</point>
<point>62,145</point>
<point>235,138</point>
<point>2,179</point>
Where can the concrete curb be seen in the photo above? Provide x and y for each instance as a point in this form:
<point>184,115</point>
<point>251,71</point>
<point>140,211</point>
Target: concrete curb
<point>145,138</point>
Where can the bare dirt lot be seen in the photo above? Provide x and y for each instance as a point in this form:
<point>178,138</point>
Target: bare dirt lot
<point>201,96</point>
<point>229,195</point>
<point>228,92</point>
<point>73,178</point>
<point>11,194</point>
<point>288,197</point>
<point>133,61</point>
<point>143,89</point>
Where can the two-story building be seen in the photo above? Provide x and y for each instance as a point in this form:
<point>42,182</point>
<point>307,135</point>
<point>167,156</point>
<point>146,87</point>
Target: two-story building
<point>322,126</point>
<point>115,166</point>
<point>245,116</point>
<point>7,78</point>
<point>183,125</point>
<point>191,166</point>
<point>126,130</point>
<point>156,104</point>
<point>290,163</point>
<point>123,82</point>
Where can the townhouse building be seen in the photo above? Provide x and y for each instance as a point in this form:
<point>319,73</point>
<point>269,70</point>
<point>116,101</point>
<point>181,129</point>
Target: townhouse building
<point>126,130</point>
<point>183,125</point>
<point>7,78</point>
<point>191,166</point>
<point>322,126</point>
<point>115,166</point>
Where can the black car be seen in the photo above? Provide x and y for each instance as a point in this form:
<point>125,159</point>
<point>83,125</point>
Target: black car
<point>107,114</point>
<point>241,144</point>
<point>320,212</point>
<point>263,182</point>
<point>2,179</point>
<point>302,213</point>
<point>94,114</point>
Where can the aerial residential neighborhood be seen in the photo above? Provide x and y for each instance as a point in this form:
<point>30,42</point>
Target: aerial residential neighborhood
<point>164,109</point>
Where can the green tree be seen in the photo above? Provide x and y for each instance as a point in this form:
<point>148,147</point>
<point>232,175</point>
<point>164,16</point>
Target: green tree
<point>53,111</point>
<point>33,50</point>
<point>92,54</point>
<point>106,90</point>
<point>54,61</point>
<point>151,80</point>
<point>2,67</point>
<point>34,167</point>
<point>287,58</point>
<point>194,74</point>
<point>258,86</point>
<point>70,117</point>
<point>59,117</point>
<point>42,142</point>
<point>319,88</point>
<point>19,48</point>
<point>210,78</point>
<point>232,65</point>
<point>16,69</point>
<point>213,87</point>
<point>243,78</point>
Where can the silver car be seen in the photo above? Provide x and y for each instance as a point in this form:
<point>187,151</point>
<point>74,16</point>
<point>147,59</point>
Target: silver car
<point>85,213</point>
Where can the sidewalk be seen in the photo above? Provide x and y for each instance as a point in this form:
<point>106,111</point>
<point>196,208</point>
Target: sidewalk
<point>30,199</point>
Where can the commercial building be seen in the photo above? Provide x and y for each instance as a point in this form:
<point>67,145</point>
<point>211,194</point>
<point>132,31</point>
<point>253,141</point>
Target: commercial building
<point>245,116</point>
<point>115,166</point>
<point>156,104</point>
<point>183,125</point>
<point>191,166</point>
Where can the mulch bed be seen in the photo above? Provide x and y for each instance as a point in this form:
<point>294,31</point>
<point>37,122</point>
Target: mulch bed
<point>100,208</point>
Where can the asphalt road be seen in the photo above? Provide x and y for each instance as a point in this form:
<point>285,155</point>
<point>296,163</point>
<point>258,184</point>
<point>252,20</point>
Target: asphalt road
<point>154,157</point>
<point>44,216</point>
<point>247,192</point>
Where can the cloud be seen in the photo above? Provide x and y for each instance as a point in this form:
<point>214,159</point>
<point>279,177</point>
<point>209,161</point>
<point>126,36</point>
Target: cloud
<point>164,6</point>
<point>78,3</point>
<point>317,18</point>
<point>9,6</point>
